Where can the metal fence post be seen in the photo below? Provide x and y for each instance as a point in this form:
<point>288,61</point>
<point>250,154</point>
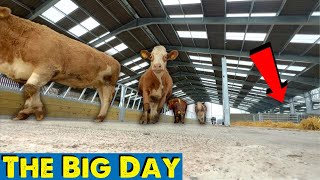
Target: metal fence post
<point>94,96</point>
<point>82,93</point>
<point>50,86</point>
<point>121,104</point>
<point>65,94</point>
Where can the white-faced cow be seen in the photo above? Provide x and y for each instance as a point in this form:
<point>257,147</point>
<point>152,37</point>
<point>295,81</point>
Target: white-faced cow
<point>35,54</point>
<point>201,111</point>
<point>155,84</point>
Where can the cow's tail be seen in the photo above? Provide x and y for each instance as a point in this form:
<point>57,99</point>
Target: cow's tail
<point>4,12</point>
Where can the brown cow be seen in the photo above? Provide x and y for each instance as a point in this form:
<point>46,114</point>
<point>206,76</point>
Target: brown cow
<point>179,108</point>
<point>201,111</point>
<point>35,54</point>
<point>155,85</point>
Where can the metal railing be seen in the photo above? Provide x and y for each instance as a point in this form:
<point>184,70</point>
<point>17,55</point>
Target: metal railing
<point>124,97</point>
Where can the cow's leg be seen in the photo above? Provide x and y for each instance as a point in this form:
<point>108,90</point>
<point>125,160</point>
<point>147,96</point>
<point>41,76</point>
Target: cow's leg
<point>146,108</point>
<point>105,98</point>
<point>33,104</point>
<point>154,114</point>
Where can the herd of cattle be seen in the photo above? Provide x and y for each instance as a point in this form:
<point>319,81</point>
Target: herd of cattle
<point>34,54</point>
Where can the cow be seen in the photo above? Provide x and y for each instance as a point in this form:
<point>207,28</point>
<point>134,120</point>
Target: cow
<point>201,111</point>
<point>179,108</point>
<point>35,54</point>
<point>155,85</point>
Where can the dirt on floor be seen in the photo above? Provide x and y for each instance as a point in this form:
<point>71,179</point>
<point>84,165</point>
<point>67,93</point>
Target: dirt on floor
<point>209,152</point>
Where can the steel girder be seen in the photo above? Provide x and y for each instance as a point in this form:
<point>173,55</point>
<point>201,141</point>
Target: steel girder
<point>278,20</point>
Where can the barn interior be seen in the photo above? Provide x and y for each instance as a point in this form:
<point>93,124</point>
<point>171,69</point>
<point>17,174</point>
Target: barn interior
<point>213,37</point>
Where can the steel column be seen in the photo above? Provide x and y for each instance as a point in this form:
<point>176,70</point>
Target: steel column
<point>308,101</point>
<point>122,102</point>
<point>292,109</point>
<point>225,93</point>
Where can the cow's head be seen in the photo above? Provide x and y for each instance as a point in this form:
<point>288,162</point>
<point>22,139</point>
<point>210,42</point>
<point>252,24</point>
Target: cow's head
<point>159,58</point>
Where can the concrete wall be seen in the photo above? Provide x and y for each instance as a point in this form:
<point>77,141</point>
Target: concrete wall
<point>12,101</point>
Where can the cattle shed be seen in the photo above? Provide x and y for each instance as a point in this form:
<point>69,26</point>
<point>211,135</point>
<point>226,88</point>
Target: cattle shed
<point>214,39</point>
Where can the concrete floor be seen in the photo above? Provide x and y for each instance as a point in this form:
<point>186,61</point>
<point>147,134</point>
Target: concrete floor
<point>209,152</point>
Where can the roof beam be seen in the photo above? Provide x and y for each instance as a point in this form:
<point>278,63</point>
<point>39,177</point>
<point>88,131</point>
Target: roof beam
<point>42,8</point>
<point>304,80</point>
<point>278,20</point>
<point>305,59</point>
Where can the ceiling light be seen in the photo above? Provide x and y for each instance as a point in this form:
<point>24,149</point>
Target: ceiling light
<point>98,45</point>
<point>110,39</point>
<point>53,15</point>
<point>133,61</point>
<point>263,14</point>
<point>90,23</point>
<point>200,58</point>
<point>112,51</point>
<point>180,2</point>
<point>305,38</point>
<point>187,16</point>
<point>244,63</point>
<point>204,64</point>
<point>241,75</point>
<point>296,68</point>
<point>255,36</point>
<point>206,70</point>
<point>121,47</point>
<point>66,6</point>
<point>131,83</point>
<point>193,34</point>
<point>288,74</point>
<point>238,15</point>
<point>282,66</point>
<point>316,13</point>
<point>78,30</point>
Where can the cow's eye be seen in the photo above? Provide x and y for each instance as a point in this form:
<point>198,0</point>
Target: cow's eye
<point>165,58</point>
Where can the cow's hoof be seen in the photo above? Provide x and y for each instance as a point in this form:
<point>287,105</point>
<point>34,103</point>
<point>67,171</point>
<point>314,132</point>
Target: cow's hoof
<point>21,116</point>
<point>39,115</point>
<point>100,118</point>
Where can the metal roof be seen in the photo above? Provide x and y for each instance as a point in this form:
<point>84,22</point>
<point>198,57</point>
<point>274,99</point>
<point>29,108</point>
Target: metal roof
<point>140,24</point>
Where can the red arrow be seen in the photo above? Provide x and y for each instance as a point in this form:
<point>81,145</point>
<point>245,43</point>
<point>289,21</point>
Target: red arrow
<point>264,60</point>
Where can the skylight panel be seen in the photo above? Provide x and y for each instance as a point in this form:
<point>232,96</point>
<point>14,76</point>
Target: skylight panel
<point>78,30</point>
<point>134,68</point>
<point>234,36</point>
<point>178,2</point>
<point>241,75</point>
<point>184,34</point>
<point>208,82</point>
<point>288,74</point>
<point>131,83</point>
<point>193,34</point>
<point>90,23</point>
<point>200,58</point>
<point>316,13</point>
<point>205,70</point>
<point>110,39</point>
<point>257,87</point>
<point>177,16</point>
<point>112,51</point>
<point>144,64</point>
<point>141,71</point>
<point>282,66</point>
<point>187,16</point>
<point>205,64</point>
<point>66,6</point>
<point>206,79</point>
<point>133,61</point>
<point>244,63</point>
<point>194,15</point>
<point>53,15</point>
<point>98,45</point>
<point>296,68</point>
<point>121,74</point>
<point>121,47</point>
<point>255,36</point>
<point>263,14</point>
<point>238,15</point>
<point>305,38</point>
<point>231,73</point>
<point>239,68</point>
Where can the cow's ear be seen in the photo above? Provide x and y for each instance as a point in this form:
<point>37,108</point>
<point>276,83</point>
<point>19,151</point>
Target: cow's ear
<point>4,12</point>
<point>145,54</point>
<point>172,55</point>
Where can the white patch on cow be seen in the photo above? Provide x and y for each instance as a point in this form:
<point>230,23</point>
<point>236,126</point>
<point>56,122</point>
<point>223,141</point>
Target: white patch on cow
<point>158,53</point>
<point>157,92</point>
<point>17,70</point>
<point>153,110</point>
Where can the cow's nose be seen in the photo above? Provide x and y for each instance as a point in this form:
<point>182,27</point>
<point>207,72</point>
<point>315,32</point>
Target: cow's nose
<point>157,66</point>
<point>179,112</point>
